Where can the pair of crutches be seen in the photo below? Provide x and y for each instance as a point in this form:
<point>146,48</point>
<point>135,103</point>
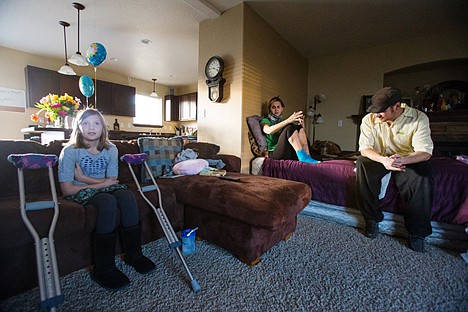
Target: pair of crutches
<point>174,243</point>
<point>47,271</point>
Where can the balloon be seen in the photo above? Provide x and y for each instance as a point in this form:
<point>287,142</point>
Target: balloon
<point>86,86</point>
<point>96,54</point>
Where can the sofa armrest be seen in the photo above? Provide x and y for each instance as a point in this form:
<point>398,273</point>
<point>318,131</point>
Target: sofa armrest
<point>233,163</point>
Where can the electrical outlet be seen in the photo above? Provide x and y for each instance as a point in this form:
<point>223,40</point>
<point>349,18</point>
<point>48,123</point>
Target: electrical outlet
<point>340,123</point>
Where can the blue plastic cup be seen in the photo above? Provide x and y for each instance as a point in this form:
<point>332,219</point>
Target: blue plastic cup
<point>188,241</point>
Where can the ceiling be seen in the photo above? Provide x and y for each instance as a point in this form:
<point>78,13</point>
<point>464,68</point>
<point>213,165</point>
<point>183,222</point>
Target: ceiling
<point>313,27</point>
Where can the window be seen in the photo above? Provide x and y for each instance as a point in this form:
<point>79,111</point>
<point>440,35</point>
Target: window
<point>148,111</point>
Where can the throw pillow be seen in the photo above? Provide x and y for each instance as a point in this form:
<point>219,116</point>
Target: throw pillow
<point>257,139</point>
<point>161,154</point>
<point>205,150</point>
<point>190,166</point>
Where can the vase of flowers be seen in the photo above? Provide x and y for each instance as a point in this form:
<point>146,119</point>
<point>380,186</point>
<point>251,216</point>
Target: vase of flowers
<point>56,108</point>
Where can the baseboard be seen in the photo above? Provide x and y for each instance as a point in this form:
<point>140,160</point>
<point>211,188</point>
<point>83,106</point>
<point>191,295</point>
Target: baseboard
<point>443,234</point>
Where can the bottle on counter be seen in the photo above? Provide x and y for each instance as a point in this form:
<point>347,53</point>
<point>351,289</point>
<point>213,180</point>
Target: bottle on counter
<point>116,125</point>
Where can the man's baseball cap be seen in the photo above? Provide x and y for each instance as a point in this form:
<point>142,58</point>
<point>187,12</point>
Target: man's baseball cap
<point>384,98</point>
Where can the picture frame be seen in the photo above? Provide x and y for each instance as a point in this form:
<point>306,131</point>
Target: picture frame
<point>365,103</point>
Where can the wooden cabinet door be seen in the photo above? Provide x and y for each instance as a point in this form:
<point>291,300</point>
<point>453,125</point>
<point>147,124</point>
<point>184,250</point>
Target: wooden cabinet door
<point>171,108</point>
<point>123,100</point>
<point>39,83</point>
<point>103,93</point>
<point>188,106</point>
<point>193,106</point>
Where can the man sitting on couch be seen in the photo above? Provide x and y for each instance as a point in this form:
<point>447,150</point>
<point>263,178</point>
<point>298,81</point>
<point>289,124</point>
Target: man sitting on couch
<point>396,138</point>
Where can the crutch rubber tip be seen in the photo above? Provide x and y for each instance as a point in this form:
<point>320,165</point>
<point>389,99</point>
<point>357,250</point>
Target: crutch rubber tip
<point>196,288</point>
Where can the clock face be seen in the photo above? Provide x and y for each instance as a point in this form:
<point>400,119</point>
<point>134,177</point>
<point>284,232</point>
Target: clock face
<point>214,67</point>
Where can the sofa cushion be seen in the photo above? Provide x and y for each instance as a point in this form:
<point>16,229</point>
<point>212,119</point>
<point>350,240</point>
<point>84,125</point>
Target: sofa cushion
<point>161,154</point>
<point>127,147</point>
<point>257,139</point>
<point>37,181</point>
<point>205,150</point>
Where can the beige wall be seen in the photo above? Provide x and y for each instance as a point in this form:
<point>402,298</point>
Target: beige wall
<point>12,75</point>
<point>255,56</point>
<point>219,123</point>
<point>346,77</point>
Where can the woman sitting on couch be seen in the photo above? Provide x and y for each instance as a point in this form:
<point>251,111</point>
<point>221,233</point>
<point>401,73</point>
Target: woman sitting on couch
<point>286,139</point>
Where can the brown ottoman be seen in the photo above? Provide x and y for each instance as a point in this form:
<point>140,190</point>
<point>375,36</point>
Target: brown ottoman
<point>246,218</point>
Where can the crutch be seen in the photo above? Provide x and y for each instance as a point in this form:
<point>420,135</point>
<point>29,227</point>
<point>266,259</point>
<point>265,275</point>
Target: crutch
<point>47,271</point>
<point>174,243</point>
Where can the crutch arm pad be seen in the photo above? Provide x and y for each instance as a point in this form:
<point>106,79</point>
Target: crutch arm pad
<point>33,161</point>
<point>134,159</point>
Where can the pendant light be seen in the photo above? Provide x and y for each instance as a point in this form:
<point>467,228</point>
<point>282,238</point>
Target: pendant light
<point>154,94</point>
<point>77,58</point>
<point>66,69</point>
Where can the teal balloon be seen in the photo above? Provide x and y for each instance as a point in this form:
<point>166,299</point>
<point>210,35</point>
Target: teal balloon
<point>86,86</point>
<point>96,54</point>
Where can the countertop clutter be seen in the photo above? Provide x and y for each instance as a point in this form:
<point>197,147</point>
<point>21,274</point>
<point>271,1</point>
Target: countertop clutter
<point>130,135</point>
<point>45,134</point>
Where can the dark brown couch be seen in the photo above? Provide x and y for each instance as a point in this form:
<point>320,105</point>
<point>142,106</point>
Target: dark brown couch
<point>212,204</point>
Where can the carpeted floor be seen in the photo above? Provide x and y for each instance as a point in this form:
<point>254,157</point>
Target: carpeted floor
<point>323,267</point>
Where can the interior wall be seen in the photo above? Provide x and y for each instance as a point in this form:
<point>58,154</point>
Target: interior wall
<point>266,75</point>
<point>12,75</point>
<point>426,76</point>
<point>220,123</point>
<point>345,78</point>
<point>255,56</point>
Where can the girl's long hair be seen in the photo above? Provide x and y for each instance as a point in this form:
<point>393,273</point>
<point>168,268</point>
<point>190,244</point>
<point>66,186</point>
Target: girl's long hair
<point>76,137</point>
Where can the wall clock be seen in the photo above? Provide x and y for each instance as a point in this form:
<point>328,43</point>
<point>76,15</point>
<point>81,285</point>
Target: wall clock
<point>214,78</point>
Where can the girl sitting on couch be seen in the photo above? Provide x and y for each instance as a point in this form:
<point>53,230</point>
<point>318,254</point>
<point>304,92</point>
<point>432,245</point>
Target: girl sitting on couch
<point>88,169</point>
<point>286,139</point>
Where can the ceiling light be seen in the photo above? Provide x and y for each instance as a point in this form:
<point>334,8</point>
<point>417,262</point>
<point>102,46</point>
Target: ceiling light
<point>77,58</point>
<point>154,94</point>
<point>65,69</point>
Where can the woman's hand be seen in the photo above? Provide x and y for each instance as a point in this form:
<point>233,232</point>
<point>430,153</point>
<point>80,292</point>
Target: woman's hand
<point>296,117</point>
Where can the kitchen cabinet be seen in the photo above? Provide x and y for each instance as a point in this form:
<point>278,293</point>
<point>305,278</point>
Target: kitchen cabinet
<point>112,98</point>
<point>103,93</point>
<point>188,106</point>
<point>39,83</point>
<point>171,108</point>
<point>70,85</point>
<point>123,100</point>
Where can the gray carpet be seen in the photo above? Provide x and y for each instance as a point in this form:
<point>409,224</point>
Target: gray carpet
<point>323,267</point>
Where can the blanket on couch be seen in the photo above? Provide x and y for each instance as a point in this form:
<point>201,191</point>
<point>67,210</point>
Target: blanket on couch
<point>333,191</point>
